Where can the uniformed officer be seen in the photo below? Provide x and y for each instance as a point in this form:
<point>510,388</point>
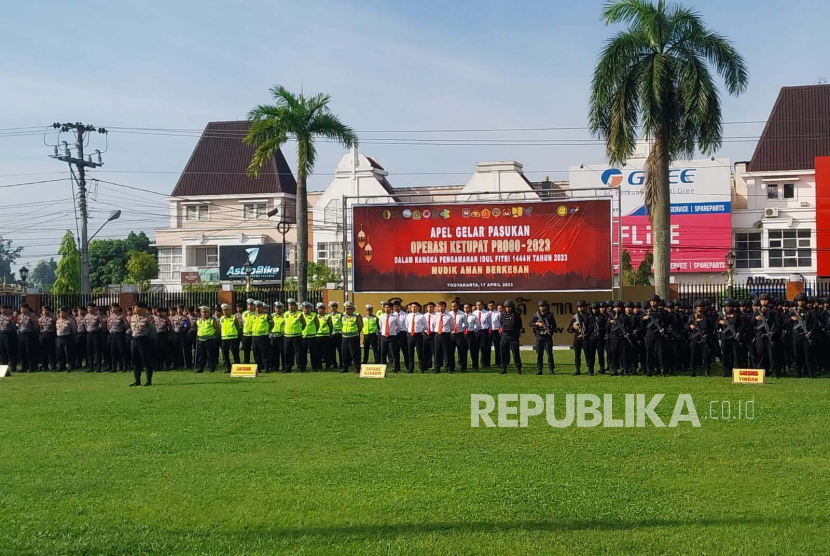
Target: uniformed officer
<point>459,335</point>
<point>656,332</point>
<point>205,340</point>
<point>247,335</point>
<point>802,327</point>
<point>543,324</point>
<point>117,338</point>
<point>369,328</point>
<point>325,351</point>
<point>95,326</point>
<point>309,339</point>
<point>401,344</point>
<point>511,328</point>
<point>388,336</point>
<point>48,353</point>
<point>442,328</point>
<point>351,326</point>
<point>483,332</point>
<point>471,335</point>
<point>8,338</point>
<point>277,336</point>
<point>81,359</point>
<point>334,346</point>
<point>619,339</point>
<point>767,331</point>
<point>415,324</point>
<point>65,340</point>
<point>260,328</point>
<point>27,329</point>
<point>292,332</point>
<point>231,329</point>
<point>582,327</point>
<point>496,311</point>
<point>142,328</point>
<point>429,338</point>
<point>699,337</point>
<point>730,329</point>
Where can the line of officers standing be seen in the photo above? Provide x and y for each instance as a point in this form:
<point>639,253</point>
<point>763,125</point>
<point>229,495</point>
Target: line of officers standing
<point>666,338</point>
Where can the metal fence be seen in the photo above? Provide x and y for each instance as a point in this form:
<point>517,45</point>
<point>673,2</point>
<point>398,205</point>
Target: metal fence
<point>717,293</point>
<point>13,300</point>
<point>72,300</point>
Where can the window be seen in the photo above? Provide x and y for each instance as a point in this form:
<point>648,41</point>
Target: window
<point>772,191</point>
<point>790,248</point>
<point>789,191</point>
<point>170,263</point>
<point>331,254</point>
<point>205,257</point>
<point>748,250</point>
<point>197,212</point>
<point>253,211</point>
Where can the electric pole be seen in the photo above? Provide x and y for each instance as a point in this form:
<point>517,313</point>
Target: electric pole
<point>81,164</point>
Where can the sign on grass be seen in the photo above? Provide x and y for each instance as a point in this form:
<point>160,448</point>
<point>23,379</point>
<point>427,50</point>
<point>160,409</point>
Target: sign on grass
<point>748,376</point>
<point>373,371</point>
<point>247,371</point>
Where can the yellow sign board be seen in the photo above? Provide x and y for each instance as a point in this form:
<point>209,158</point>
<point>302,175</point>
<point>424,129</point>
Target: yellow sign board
<point>248,371</point>
<point>748,376</point>
<point>373,371</point>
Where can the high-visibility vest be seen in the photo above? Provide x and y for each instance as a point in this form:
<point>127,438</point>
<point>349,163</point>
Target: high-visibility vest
<point>324,329</point>
<point>337,322</point>
<point>247,322</point>
<point>350,326</point>
<point>228,325</point>
<point>310,329</point>
<point>277,328</point>
<point>259,324</point>
<point>370,324</point>
<point>292,326</point>
<point>204,328</point>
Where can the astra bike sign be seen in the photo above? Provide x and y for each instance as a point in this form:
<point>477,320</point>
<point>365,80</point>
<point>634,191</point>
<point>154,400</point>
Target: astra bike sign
<point>265,262</point>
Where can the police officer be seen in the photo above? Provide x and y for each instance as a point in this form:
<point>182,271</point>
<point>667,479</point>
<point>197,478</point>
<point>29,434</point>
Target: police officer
<point>27,329</point>
<point>598,336</point>
<point>484,323</point>
<point>205,340</point>
<point>511,328</point>
<point>802,327</point>
<point>309,340</point>
<point>543,324</point>
<point>369,328</point>
<point>655,335</point>
<point>334,343</point>
<point>325,351</point>
<point>766,325</point>
<point>699,336</point>
<point>459,335</point>
<point>65,340</point>
<point>117,338</point>
<point>142,328</point>
<point>277,336</point>
<point>415,324</point>
<point>293,326</point>
<point>619,338</point>
<point>581,326</point>
<point>260,328</point>
<point>231,330</point>
<point>247,336</point>
<point>730,327</point>
<point>351,324</point>
<point>388,336</point>
<point>8,338</point>
<point>48,353</point>
<point>95,325</point>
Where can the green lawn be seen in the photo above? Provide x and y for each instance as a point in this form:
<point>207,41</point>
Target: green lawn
<point>331,464</point>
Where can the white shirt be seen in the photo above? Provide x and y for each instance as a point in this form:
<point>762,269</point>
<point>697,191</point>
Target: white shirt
<point>401,320</point>
<point>460,321</point>
<point>442,323</point>
<point>483,317</point>
<point>392,318</point>
<point>429,318</point>
<point>415,323</point>
<point>495,320</point>
<point>472,322</point>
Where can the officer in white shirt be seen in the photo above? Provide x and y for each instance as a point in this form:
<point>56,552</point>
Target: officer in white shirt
<point>429,337</point>
<point>496,313</point>
<point>415,324</point>
<point>472,335</point>
<point>442,328</point>
<point>483,333</point>
<point>458,335</point>
<point>400,312</point>
<point>388,336</point>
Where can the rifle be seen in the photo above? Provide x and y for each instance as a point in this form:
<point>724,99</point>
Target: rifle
<point>800,324</point>
<point>658,324</point>
<point>579,323</point>
<point>764,324</point>
<point>618,326</point>
<point>729,328</point>
<point>544,322</point>
<point>698,330</point>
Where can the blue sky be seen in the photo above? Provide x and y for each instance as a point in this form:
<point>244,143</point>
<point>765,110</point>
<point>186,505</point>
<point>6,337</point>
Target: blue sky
<point>389,67</point>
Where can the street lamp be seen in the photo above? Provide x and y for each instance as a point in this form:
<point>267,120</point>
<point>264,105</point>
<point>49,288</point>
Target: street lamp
<point>730,267</point>
<point>248,271</point>
<point>114,215</point>
<point>282,227</point>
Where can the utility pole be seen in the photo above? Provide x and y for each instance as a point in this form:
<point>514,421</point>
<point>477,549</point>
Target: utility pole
<point>81,164</point>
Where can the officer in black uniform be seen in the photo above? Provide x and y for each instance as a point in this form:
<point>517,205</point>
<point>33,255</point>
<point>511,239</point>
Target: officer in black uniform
<point>802,329</point>
<point>543,324</point>
<point>655,335</point>
<point>619,339</point>
<point>511,328</point>
<point>582,327</point>
<point>729,333</point>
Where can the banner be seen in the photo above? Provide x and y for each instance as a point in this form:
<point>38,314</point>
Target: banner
<point>470,247</point>
<point>701,213</point>
<point>266,262</point>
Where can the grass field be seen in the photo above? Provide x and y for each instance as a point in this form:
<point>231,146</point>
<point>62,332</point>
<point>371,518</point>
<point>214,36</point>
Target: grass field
<point>332,464</point>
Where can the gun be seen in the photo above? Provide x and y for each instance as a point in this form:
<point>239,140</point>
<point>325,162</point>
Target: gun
<point>764,324</point>
<point>579,323</point>
<point>698,335</point>
<point>729,328</point>
<point>800,324</point>
<point>543,320</point>
<point>621,329</point>
<point>658,324</point>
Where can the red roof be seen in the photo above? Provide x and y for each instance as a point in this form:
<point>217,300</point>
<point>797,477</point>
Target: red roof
<point>797,131</point>
<point>218,163</point>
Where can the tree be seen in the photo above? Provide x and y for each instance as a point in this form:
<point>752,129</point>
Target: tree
<point>141,268</point>
<point>303,119</point>
<point>68,271</point>
<point>642,276</point>
<point>44,272</point>
<point>656,75</point>
<point>108,258</point>
<point>8,256</point>
<point>319,274</point>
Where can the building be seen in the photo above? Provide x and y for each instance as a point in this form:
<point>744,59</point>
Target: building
<point>778,193</point>
<point>218,214</point>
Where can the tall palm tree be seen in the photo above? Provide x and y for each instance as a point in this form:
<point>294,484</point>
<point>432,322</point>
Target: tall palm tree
<point>303,119</point>
<point>656,75</point>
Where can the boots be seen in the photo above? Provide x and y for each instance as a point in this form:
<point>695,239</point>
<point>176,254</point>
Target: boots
<point>149,379</point>
<point>136,377</point>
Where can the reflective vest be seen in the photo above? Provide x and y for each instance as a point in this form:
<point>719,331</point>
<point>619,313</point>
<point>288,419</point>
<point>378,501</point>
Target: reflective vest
<point>259,324</point>
<point>292,326</point>
<point>310,329</point>
<point>324,329</point>
<point>204,328</point>
<point>337,322</point>
<point>228,325</point>
<point>277,328</point>
<point>350,326</point>
<point>370,324</point>
<point>247,321</point>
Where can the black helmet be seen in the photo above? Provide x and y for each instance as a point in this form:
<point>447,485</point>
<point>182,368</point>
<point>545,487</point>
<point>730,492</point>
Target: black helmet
<point>542,303</point>
<point>580,303</point>
<point>604,305</point>
<point>699,303</point>
<point>508,303</point>
<point>619,305</point>
<point>764,297</point>
<point>595,305</point>
<point>801,297</point>
<point>654,297</point>
<point>644,305</point>
<point>629,305</point>
<point>609,303</point>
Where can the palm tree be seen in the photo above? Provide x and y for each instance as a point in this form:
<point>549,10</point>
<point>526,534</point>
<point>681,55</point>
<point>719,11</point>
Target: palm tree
<point>656,75</point>
<point>303,119</point>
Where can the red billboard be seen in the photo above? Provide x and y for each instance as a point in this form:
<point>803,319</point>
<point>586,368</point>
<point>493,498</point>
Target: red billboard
<point>467,247</point>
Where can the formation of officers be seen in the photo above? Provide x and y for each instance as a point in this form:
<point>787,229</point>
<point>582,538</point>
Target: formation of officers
<point>622,338</point>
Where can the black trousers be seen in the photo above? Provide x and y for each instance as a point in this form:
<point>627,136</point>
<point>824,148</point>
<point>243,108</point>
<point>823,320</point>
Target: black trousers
<point>65,346</point>
<point>655,357</point>
<point>389,350</point>
<point>402,349</point>
<point>619,356</point>
<point>230,348</point>
<point>429,349</point>
<point>803,352</point>
<point>544,345</point>
<point>309,350</point>
<point>142,358</point>
<point>247,342</point>
<point>764,355</point>
<point>414,344</point>
<point>444,348</point>
<point>178,341</point>
<point>261,346</point>
<point>335,350</point>
<point>27,350</point>
<point>8,349</point>
<point>600,343</point>
<point>459,342</point>
<point>163,351</point>
<point>118,350</point>
<point>701,355</point>
<point>495,341</point>
<point>589,349</point>
<point>291,352</point>
<point>510,346</point>
<point>80,351</point>
<point>350,349</point>
<point>370,342</point>
<point>94,349</point>
<point>729,355</point>
<point>484,347</point>
<point>277,348</point>
<point>205,350</point>
<point>473,348</point>
<point>48,352</point>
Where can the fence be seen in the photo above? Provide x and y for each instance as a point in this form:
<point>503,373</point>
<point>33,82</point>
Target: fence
<point>717,293</point>
<point>72,300</point>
